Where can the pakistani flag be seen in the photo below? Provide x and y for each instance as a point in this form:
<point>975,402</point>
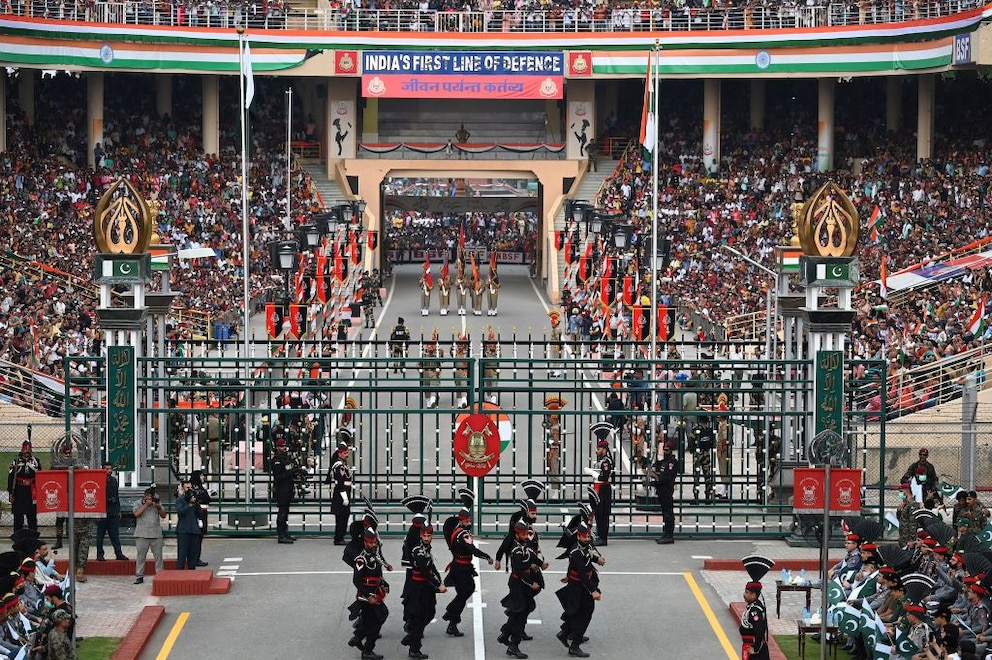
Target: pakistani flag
<point>873,634</point>
<point>866,588</point>
<point>985,536</point>
<point>849,621</point>
<point>905,647</point>
<point>949,491</point>
<point>835,595</point>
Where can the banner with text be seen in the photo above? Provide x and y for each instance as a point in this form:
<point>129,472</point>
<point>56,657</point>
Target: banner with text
<point>437,256</point>
<point>457,74</point>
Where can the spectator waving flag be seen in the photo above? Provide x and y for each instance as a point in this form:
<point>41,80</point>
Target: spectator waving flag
<point>649,125</point>
<point>976,325</point>
<point>875,223</point>
<point>249,75</point>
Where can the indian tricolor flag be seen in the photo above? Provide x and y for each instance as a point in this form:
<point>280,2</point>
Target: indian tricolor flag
<point>788,259</point>
<point>976,325</point>
<point>649,125</point>
<point>875,223</point>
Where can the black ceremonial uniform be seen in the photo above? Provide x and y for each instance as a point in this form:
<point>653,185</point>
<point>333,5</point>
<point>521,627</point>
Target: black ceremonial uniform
<point>420,596</point>
<point>369,609</point>
<point>568,535</point>
<point>534,540</point>
<point>754,630</point>
<point>282,492</point>
<point>22,490</point>
<point>666,470</point>
<point>604,488</point>
<point>461,573</point>
<point>341,478</point>
<point>519,602</point>
<point>576,596</point>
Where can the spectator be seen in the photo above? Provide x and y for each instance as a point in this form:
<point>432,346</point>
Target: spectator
<point>110,524</point>
<point>187,528</point>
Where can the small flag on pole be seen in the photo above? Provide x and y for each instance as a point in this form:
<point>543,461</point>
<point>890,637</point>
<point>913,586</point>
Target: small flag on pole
<point>976,325</point>
<point>649,127</point>
<point>875,223</point>
<point>883,282</point>
<point>249,75</point>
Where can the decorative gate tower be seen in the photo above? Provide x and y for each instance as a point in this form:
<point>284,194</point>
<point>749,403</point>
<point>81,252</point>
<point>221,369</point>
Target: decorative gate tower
<point>122,229</point>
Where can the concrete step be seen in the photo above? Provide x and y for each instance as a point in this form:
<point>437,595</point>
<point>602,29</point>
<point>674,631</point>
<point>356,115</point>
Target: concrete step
<point>189,583</point>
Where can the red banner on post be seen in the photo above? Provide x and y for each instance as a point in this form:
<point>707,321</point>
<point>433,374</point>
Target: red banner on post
<point>808,492</point>
<point>477,444</point>
<point>90,492</point>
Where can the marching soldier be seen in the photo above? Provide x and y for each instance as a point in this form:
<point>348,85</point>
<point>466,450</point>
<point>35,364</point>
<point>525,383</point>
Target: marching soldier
<point>476,292</point>
<point>461,287</point>
<point>555,432</point>
<point>702,445</point>
<point>430,371</point>
<point>603,483</point>
<point>357,531</point>
<point>376,285</point>
<point>444,292</point>
<point>585,515</point>
<point>462,350</point>
<point>754,621</point>
<point>461,573</point>
<point>490,372</point>
<point>581,591</point>
<point>369,610</point>
<point>556,342</point>
<point>340,477</point>
<point>398,339</point>
<point>519,602</point>
<point>420,592</point>
<point>21,488</point>
<point>426,286</point>
<point>527,513</point>
<point>666,471</point>
<point>368,306</point>
<point>492,285</point>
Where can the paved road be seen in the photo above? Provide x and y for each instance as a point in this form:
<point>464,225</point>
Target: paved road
<point>290,602</point>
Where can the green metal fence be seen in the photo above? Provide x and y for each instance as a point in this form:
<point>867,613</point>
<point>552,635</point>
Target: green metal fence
<point>210,414</point>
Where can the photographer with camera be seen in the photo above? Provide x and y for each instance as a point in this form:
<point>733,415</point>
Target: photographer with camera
<point>148,532</point>
<point>187,528</point>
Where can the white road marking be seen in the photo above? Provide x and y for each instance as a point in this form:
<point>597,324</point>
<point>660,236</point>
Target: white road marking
<point>478,632</point>
<point>702,556</point>
<point>233,559</point>
<point>534,622</point>
<point>233,567</point>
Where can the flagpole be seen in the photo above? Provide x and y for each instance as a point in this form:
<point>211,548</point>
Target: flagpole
<point>653,81</point>
<point>289,156</point>
<point>245,333</point>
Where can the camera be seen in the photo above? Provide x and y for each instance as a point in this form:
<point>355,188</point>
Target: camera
<point>156,499</point>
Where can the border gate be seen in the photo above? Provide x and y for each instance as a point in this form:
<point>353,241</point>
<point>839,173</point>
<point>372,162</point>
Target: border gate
<point>221,414</point>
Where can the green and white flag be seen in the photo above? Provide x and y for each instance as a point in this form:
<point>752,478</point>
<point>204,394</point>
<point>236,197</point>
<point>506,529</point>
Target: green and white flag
<point>949,491</point>
<point>905,647</point>
<point>866,588</point>
<point>985,536</point>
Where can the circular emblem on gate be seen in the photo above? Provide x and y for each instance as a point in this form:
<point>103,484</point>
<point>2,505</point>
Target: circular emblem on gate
<point>476,445</point>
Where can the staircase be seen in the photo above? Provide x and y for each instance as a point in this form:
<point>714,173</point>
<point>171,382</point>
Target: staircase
<point>587,191</point>
<point>329,190</point>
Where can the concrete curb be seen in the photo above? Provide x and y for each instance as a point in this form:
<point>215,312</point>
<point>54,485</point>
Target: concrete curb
<point>140,633</point>
<point>774,652</point>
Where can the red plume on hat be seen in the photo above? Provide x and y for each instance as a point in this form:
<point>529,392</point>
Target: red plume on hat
<point>757,567</point>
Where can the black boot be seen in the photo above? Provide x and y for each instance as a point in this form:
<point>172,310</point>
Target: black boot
<point>563,638</point>
<point>418,655</point>
<point>371,655</point>
<point>454,631</point>
<point>666,539</point>
<point>577,652</point>
<point>514,652</point>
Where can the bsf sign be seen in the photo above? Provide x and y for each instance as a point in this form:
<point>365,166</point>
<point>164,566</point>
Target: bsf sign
<point>476,445</point>
<point>89,497</point>
<point>845,490</point>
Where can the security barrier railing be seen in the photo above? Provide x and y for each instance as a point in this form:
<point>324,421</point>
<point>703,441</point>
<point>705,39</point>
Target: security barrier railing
<point>214,419</point>
<point>559,19</point>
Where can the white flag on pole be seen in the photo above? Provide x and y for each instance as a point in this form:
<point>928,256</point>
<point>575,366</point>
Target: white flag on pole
<point>246,71</point>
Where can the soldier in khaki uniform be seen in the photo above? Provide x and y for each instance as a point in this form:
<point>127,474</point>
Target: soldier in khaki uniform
<point>430,371</point>
<point>556,342</point>
<point>444,293</point>
<point>553,424</point>
<point>461,287</point>
<point>426,286</point>
<point>490,373</point>
<point>462,350</point>
<point>476,292</point>
<point>492,286</point>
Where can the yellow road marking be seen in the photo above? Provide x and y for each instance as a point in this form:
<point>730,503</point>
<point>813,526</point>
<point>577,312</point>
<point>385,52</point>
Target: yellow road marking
<point>170,641</point>
<point>711,617</point>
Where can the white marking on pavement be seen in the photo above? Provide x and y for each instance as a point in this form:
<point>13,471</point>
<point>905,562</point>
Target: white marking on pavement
<point>233,559</point>
<point>477,605</point>
<point>702,556</point>
<point>534,622</point>
<point>233,567</point>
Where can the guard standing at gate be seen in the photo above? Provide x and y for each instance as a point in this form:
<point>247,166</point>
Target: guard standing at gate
<point>462,350</point>
<point>490,371</point>
<point>581,591</point>
<point>461,573</point>
<point>340,477</point>
<point>556,343</point>
<point>21,488</point>
<point>430,372</point>
<point>420,592</point>
<point>754,621</point>
<point>702,445</point>
<point>398,339</point>
<point>603,480</point>
<point>369,610</point>
<point>666,471</point>
<point>519,602</point>
<point>282,489</point>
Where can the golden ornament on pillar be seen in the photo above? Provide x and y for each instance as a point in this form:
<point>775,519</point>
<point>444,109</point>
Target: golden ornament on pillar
<point>123,223</point>
<point>828,224</point>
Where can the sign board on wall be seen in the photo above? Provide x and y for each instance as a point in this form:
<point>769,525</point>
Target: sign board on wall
<point>89,496</point>
<point>463,74</point>
<point>341,128</point>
